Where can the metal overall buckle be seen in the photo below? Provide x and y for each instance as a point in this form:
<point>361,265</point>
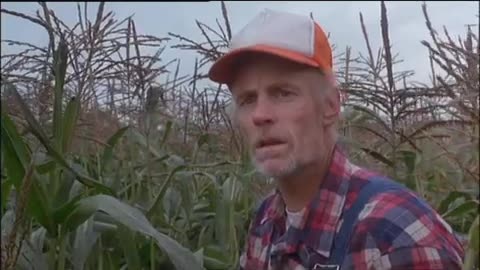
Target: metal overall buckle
<point>319,266</point>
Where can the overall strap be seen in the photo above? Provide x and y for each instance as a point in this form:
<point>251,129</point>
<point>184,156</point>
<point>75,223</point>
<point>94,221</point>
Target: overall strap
<point>343,237</point>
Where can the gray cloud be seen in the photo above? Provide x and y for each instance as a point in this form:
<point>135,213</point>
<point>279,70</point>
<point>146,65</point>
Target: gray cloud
<point>341,19</point>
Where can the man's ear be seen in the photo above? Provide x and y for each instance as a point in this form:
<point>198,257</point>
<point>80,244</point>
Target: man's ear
<point>331,108</point>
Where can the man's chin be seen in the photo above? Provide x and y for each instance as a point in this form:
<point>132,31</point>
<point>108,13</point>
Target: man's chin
<point>275,168</point>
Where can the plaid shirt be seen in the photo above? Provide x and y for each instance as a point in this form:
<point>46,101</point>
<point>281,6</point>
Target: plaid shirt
<point>394,230</point>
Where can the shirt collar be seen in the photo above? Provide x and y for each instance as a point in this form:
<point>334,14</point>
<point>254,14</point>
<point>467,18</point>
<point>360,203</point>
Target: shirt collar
<point>322,214</point>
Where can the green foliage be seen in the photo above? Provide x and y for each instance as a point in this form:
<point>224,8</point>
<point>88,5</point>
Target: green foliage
<point>140,202</point>
<point>77,214</point>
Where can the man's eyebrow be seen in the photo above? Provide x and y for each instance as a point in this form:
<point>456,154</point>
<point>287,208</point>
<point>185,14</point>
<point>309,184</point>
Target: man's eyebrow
<point>240,92</point>
<point>281,84</point>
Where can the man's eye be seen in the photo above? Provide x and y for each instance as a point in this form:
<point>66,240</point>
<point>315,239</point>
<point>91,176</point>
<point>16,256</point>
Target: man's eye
<point>284,93</point>
<point>247,100</point>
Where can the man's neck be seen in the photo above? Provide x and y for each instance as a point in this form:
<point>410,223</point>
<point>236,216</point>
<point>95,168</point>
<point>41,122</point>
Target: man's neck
<point>299,189</point>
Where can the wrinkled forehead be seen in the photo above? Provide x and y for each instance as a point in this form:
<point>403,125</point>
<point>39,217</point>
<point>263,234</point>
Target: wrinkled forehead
<point>271,69</point>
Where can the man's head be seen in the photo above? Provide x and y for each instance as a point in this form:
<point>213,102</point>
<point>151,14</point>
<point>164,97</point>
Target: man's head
<point>285,102</point>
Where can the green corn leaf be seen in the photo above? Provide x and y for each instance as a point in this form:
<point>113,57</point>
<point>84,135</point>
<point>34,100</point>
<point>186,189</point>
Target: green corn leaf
<point>112,141</point>
<point>471,257</point>
<point>17,163</point>
<point>15,149</point>
<point>166,133</point>
<point>61,214</point>
<point>129,246</point>
<point>69,122</point>
<point>133,219</point>
<point>39,204</point>
<point>452,196</point>
<point>46,167</point>
<point>462,209</point>
<point>60,67</point>
<point>201,141</point>
<point>215,258</point>
<point>378,156</point>
<point>31,255</point>
<point>85,238</point>
<point>157,202</point>
<point>40,135</point>
<point>410,160</point>
<point>6,187</point>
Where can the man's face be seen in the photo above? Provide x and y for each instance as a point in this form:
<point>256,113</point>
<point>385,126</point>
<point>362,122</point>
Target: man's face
<point>280,115</point>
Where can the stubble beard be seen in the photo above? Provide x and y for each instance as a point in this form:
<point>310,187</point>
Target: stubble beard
<point>289,168</point>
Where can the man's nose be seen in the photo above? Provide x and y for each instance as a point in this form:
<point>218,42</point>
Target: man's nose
<point>263,112</point>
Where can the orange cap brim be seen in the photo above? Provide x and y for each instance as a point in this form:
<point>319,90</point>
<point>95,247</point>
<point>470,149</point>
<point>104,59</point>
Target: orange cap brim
<point>222,70</point>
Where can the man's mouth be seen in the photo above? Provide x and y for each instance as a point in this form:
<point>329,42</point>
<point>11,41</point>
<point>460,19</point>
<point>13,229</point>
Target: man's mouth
<point>268,142</point>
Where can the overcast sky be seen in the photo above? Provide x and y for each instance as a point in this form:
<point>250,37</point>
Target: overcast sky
<point>341,19</point>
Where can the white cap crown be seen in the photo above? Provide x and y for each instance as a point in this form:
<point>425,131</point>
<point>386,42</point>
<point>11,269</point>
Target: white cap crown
<point>278,29</point>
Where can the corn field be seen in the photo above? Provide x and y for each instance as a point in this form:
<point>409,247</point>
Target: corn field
<point>112,160</point>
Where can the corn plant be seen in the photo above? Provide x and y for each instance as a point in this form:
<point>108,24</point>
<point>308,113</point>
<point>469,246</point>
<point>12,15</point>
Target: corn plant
<point>59,194</point>
<point>114,170</point>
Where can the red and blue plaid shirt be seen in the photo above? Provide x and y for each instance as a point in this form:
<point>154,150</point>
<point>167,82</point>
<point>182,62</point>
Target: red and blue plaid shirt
<point>393,230</point>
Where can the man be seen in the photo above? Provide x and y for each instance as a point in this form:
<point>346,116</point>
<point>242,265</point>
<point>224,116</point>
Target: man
<point>326,213</point>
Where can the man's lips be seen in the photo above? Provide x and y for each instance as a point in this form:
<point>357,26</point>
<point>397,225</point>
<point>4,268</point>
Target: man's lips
<point>267,142</point>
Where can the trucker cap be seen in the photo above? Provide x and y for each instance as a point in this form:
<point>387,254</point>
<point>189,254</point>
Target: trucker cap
<point>287,35</point>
